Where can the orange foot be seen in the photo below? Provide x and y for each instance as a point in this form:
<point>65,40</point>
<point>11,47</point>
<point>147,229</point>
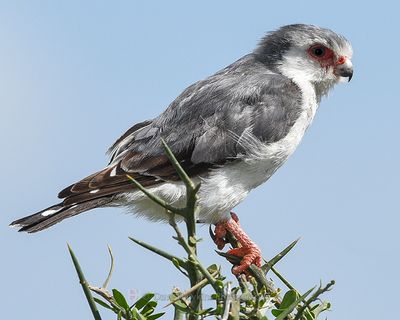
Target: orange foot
<point>248,250</point>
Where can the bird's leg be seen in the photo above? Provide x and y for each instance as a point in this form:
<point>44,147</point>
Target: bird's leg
<point>248,250</point>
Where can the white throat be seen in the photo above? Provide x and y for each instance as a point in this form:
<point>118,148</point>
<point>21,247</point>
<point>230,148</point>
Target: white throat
<point>313,82</point>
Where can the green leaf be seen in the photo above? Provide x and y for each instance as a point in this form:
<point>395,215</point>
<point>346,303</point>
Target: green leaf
<point>308,315</point>
<point>219,283</point>
<point>288,299</point>
<point>149,308</point>
<point>103,304</point>
<point>289,309</point>
<point>204,311</point>
<point>277,312</point>
<point>320,308</point>
<point>143,300</point>
<point>120,299</point>
<point>213,268</point>
<point>155,316</point>
<point>181,306</point>
<point>219,310</point>
<point>147,311</point>
<point>152,304</point>
<point>136,315</point>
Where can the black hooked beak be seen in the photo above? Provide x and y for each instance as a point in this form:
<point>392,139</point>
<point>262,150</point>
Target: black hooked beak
<point>345,70</point>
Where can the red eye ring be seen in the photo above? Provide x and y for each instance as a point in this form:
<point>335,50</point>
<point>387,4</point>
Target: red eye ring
<point>320,52</point>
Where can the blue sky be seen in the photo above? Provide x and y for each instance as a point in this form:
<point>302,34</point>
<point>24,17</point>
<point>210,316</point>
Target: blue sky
<point>74,75</point>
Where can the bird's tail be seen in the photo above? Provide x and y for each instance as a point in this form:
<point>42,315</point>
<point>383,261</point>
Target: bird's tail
<point>54,214</point>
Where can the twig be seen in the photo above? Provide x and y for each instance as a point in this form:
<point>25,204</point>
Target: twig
<point>269,264</point>
<point>199,285</point>
<point>227,302</point>
<point>178,168</point>
<point>314,297</point>
<point>155,198</point>
<point>287,283</point>
<point>85,285</point>
<point>288,310</point>
<point>158,251</point>
<point>194,268</point>
<point>178,314</point>
<point>193,257</point>
<point>105,284</point>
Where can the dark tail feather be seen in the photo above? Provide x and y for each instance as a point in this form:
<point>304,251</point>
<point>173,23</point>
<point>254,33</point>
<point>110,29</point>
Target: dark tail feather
<point>54,214</point>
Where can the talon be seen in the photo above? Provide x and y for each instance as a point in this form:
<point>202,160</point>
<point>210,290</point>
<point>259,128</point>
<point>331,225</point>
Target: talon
<point>220,233</point>
<point>218,236</point>
<point>235,217</point>
<point>212,234</point>
<point>248,250</point>
<point>250,255</point>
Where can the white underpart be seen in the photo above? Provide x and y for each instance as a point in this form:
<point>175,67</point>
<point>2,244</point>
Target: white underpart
<point>138,203</point>
<point>225,187</point>
<point>94,191</point>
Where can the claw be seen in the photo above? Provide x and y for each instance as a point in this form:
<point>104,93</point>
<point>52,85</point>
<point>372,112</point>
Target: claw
<point>247,253</point>
<point>250,255</point>
<point>235,217</point>
<point>212,234</point>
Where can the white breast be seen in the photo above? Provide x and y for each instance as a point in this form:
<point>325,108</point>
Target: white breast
<point>227,186</point>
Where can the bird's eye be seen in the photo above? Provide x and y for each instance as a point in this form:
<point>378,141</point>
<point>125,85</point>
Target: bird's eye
<point>320,52</point>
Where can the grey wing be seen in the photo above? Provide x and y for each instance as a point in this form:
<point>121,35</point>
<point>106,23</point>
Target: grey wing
<point>203,127</point>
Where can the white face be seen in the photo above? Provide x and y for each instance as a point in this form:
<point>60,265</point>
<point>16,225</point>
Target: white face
<point>318,62</point>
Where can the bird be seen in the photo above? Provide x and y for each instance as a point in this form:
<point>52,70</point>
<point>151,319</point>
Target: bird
<point>230,132</point>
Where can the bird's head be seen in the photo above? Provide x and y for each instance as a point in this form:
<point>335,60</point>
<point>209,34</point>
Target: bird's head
<point>308,53</point>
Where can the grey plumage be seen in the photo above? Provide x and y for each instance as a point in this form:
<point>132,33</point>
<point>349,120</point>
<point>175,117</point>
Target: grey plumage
<point>275,44</point>
<point>203,126</point>
<point>218,109</point>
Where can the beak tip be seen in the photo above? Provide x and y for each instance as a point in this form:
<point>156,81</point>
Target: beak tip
<point>344,70</point>
<point>351,76</point>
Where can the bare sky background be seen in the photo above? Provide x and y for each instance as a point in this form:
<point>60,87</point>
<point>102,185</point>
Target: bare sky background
<point>75,74</point>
